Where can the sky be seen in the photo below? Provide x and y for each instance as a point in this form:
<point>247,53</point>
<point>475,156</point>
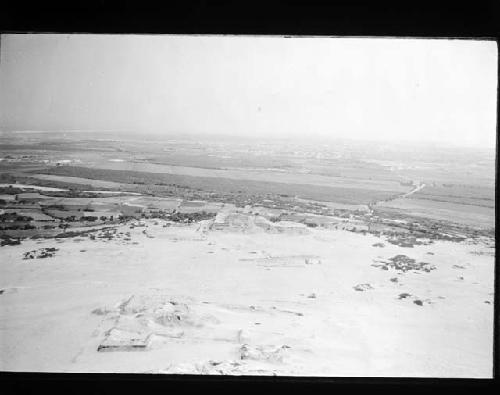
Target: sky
<point>254,86</point>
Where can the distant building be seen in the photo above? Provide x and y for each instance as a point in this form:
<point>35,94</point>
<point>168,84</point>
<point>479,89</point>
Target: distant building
<point>290,227</point>
<point>220,222</point>
<point>263,222</point>
<point>231,220</point>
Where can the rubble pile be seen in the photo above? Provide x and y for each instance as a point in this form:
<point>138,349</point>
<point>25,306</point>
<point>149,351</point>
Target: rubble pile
<point>362,287</point>
<point>212,367</point>
<point>48,252</point>
<point>403,240</point>
<point>268,353</point>
<point>142,320</point>
<point>414,299</point>
<point>404,263</point>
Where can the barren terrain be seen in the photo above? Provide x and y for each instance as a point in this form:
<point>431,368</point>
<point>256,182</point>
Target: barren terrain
<point>321,262</point>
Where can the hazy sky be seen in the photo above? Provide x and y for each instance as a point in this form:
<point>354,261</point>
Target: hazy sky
<point>435,90</point>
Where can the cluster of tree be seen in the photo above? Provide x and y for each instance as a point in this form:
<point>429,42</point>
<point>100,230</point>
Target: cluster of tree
<point>17,227</point>
<point>11,217</point>
<point>10,190</point>
<point>69,234</point>
<point>190,217</point>
<point>125,218</point>
<point>91,218</point>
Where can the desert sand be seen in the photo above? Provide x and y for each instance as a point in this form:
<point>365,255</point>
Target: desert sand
<point>184,299</point>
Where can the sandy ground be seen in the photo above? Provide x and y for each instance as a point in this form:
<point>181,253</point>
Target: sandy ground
<point>242,314</point>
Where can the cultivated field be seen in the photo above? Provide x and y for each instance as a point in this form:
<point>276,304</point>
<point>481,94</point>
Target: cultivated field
<point>473,215</point>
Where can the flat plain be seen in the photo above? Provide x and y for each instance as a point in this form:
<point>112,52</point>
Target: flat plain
<point>230,257</point>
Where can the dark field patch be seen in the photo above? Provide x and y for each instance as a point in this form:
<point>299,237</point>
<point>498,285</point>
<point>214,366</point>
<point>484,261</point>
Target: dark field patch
<point>226,185</point>
<point>461,194</point>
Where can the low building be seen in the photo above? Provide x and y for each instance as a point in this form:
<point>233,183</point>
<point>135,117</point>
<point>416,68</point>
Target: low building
<point>220,221</point>
<point>290,227</point>
<point>263,222</point>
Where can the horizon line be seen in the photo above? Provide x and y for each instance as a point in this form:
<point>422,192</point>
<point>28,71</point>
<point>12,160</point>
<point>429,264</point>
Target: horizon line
<point>292,137</point>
